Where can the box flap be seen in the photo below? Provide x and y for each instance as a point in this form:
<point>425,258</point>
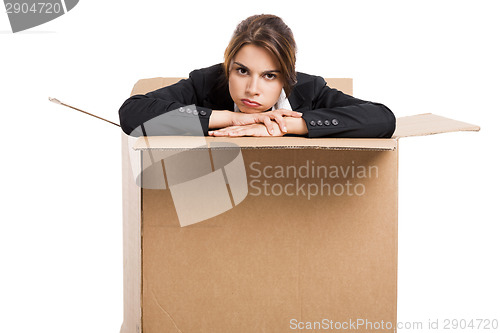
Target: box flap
<point>146,85</point>
<point>427,124</point>
<point>190,142</point>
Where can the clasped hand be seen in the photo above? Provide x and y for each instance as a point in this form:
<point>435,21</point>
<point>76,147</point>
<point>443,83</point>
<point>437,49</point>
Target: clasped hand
<point>270,123</point>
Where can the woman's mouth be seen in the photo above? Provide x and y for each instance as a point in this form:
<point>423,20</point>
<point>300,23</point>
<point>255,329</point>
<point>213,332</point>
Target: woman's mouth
<point>250,103</point>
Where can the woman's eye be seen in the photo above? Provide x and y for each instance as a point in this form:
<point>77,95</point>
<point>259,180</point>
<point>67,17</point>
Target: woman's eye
<point>270,76</point>
<point>242,71</point>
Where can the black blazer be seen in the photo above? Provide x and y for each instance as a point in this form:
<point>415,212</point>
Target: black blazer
<point>326,111</point>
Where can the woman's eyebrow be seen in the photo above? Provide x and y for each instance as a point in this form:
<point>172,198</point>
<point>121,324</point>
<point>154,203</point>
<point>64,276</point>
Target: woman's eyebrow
<point>248,69</point>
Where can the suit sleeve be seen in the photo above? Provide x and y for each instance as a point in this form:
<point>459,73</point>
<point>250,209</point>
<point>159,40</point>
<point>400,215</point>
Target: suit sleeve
<point>335,114</point>
<point>139,109</point>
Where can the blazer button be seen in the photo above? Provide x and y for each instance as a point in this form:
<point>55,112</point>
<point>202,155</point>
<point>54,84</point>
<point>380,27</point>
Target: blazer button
<point>319,123</point>
<point>335,122</point>
<point>312,123</point>
<point>195,112</point>
<point>181,109</point>
<point>203,112</point>
<point>327,122</point>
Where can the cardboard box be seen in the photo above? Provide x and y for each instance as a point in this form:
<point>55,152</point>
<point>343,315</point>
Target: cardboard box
<point>303,233</point>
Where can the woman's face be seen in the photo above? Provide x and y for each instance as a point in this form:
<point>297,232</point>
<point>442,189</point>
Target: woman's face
<point>255,79</point>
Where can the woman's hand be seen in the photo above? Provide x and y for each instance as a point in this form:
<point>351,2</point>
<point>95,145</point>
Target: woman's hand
<point>269,119</point>
<point>248,130</point>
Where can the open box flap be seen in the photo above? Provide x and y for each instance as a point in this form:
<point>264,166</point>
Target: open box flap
<point>427,124</point>
<point>146,85</point>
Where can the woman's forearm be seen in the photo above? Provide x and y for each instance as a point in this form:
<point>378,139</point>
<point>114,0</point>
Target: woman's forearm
<point>224,118</point>
<point>220,119</point>
<point>296,126</point>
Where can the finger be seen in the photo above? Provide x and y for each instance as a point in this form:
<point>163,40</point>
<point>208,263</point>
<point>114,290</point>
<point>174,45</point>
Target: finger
<point>226,131</point>
<point>216,132</point>
<point>281,123</point>
<point>244,131</point>
<point>295,114</point>
<point>289,113</point>
<point>236,133</point>
<point>219,133</point>
<point>269,125</point>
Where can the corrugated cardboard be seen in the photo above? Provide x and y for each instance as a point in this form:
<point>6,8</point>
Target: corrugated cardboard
<point>271,263</point>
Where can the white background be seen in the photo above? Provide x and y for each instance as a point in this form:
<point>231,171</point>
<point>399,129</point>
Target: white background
<point>60,237</point>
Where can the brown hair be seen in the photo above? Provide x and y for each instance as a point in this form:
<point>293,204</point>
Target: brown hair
<point>271,33</point>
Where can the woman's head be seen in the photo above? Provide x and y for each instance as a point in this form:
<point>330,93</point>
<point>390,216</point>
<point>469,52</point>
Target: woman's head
<point>260,61</point>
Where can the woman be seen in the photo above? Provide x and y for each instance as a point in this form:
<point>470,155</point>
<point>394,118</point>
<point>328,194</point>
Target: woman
<point>257,92</point>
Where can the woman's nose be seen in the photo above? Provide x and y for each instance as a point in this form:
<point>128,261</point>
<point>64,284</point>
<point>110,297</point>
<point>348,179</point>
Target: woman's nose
<point>253,86</point>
